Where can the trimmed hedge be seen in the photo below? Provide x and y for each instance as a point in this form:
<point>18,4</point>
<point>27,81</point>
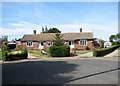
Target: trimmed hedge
<point>105,51</point>
<point>115,43</point>
<point>59,51</point>
<point>17,56</point>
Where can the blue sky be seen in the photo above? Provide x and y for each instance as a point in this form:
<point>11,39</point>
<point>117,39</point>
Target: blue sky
<point>19,18</point>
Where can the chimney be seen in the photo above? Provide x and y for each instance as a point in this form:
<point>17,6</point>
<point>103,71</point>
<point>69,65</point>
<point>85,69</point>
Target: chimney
<point>34,31</point>
<point>80,30</point>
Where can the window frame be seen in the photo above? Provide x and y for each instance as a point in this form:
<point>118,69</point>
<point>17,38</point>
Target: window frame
<point>28,43</point>
<point>84,42</point>
<point>47,43</point>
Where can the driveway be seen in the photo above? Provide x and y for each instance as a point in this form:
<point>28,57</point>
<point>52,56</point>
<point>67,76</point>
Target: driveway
<point>61,71</point>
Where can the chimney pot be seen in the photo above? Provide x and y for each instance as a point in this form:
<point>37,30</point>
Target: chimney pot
<point>34,31</point>
<point>80,30</point>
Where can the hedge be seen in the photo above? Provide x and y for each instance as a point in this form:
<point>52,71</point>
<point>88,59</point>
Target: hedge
<point>17,56</point>
<point>115,43</point>
<point>105,51</point>
<point>59,51</point>
<point>5,48</point>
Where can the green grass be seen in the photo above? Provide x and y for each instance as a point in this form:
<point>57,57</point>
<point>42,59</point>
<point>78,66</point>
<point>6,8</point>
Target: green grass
<point>80,52</point>
<point>37,52</point>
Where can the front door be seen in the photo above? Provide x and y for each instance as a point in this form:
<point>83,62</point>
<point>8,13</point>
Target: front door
<point>40,45</point>
<point>71,44</point>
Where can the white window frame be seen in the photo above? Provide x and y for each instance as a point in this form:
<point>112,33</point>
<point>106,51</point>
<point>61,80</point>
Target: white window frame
<point>71,42</point>
<point>28,43</point>
<point>48,42</point>
<point>83,42</point>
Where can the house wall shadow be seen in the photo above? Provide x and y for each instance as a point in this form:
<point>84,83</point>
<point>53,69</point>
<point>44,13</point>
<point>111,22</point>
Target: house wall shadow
<point>37,72</point>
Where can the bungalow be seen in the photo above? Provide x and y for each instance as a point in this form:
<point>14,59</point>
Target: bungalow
<point>44,40</point>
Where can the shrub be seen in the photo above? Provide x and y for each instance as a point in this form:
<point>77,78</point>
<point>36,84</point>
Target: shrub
<point>17,56</point>
<point>59,51</point>
<point>114,43</point>
<point>4,55</point>
<point>87,48</point>
<point>5,48</point>
<point>58,41</point>
<point>102,52</point>
<point>102,44</point>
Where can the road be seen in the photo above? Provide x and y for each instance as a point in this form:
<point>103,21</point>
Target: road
<point>64,71</point>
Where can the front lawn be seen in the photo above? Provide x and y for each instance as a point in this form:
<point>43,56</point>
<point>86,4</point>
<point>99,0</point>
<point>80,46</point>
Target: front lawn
<point>80,51</point>
<point>37,52</point>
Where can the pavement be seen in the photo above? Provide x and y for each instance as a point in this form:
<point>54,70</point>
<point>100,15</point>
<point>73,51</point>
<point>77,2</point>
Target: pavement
<point>72,70</point>
<point>113,54</point>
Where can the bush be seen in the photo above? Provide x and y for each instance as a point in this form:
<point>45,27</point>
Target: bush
<point>4,55</point>
<point>102,52</point>
<point>115,43</point>
<point>5,48</point>
<point>9,57</point>
<point>59,51</point>
<point>87,48</point>
<point>102,44</point>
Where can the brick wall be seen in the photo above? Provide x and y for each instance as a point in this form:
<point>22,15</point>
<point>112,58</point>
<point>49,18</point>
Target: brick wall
<point>90,44</point>
<point>45,46</point>
<point>76,45</point>
<point>24,45</point>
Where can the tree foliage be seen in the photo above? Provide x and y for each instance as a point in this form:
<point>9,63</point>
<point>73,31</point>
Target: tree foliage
<point>111,38</point>
<point>4,38</point>
<point>51,30</point>
<point>54,30</point>
<point>115,37</point>
<point>58,41</point>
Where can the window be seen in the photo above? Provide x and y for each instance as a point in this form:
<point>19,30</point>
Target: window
<point>48,43</point>
<point>83,42</point>
<point>41,43</point>
<point>69,42</point>
<point>29,43</point>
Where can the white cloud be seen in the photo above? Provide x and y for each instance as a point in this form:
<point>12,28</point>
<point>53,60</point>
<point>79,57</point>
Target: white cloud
<point>23,27</point>
<point>13,24</point>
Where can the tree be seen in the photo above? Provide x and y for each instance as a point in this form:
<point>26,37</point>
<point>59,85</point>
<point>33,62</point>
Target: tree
<point>111,38</point>
<point>4,38</point>
<point>54,30</point>
<point>118,36</point>
<point>42,29</point>
<point>58,41</point>
<point>46,29</point>
<point>51,30</point>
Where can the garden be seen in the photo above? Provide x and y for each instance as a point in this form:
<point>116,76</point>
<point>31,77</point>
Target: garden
<point>10,55</point>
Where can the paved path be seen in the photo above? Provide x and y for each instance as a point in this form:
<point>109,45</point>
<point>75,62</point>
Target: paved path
<point>90,54</point>
<point>113,54</point>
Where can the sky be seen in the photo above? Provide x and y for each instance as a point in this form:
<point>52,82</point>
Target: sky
<point>19,18</point>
